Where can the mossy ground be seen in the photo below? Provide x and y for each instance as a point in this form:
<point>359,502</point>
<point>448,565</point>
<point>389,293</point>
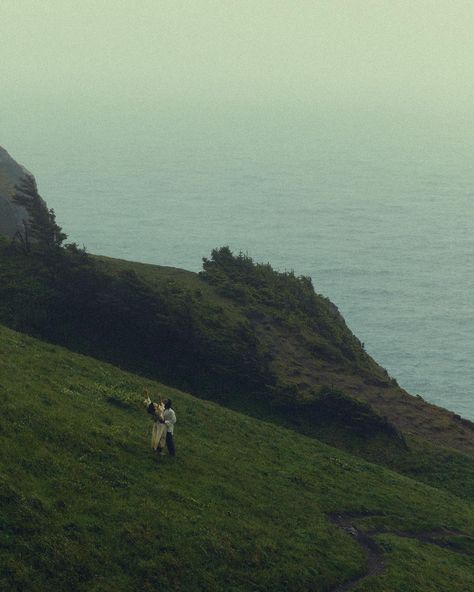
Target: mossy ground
<point>86,506</point>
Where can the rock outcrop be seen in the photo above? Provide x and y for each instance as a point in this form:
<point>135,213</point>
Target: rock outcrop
<point>12,215</point>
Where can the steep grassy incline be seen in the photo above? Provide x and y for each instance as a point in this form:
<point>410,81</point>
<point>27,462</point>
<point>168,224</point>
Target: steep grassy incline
<point>237,328</point>
<point>287,318</point>
<point>243,335</point>
<point>301,345</point>
<point>85,505</point>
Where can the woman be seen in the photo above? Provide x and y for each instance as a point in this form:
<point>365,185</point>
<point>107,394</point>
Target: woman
<point>158,432</point>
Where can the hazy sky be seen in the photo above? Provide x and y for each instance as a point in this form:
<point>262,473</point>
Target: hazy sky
<point>396,52</point>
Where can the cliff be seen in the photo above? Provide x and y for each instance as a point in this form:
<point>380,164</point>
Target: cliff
<point>12,215</point>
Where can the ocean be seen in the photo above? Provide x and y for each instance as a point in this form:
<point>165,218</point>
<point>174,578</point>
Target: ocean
<point>377,208</point>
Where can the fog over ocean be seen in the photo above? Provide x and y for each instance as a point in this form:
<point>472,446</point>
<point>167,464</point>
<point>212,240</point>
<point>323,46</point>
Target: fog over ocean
<point>377,208</point>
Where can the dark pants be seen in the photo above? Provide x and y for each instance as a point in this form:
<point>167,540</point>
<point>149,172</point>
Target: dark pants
<point>170,444</point>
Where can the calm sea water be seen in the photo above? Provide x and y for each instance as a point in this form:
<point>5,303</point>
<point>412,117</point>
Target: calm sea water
<point>377,210</point>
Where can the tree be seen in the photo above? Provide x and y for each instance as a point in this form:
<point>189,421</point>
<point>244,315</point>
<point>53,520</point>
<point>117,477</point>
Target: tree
<point>41,228</point>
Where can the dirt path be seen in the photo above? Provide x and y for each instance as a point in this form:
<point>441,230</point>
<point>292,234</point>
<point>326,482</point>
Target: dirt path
<point>375,563</point>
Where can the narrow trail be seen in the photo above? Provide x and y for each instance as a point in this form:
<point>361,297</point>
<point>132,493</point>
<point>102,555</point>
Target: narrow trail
<point>375,563</point>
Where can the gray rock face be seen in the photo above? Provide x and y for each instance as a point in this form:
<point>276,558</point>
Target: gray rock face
<point>11,214</point>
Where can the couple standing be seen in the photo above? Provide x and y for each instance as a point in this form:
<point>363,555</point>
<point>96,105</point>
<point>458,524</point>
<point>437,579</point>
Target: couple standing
<point>164,419</point>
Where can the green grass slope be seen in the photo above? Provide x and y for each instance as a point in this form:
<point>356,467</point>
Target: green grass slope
<point>236,293</point>
<point>85,505</point>
<point>301,345</point>
<point>241,334</point>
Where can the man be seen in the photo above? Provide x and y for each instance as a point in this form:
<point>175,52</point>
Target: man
<point>169,417</point>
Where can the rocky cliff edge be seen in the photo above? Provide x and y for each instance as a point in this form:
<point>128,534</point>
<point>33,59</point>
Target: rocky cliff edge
<point>12,215</point>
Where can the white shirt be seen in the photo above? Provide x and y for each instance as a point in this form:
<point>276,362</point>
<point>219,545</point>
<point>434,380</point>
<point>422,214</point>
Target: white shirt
<point>169,417</point>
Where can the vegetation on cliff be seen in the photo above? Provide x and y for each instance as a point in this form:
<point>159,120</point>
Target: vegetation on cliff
<point>165,330</point>
<point>289,299</point>
<point>242,347</point>
<point>170,330</point>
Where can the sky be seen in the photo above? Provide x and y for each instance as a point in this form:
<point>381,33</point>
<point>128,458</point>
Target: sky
<point>394,53</point>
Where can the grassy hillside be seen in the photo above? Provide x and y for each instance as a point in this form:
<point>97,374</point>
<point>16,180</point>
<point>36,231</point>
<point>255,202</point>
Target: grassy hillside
<point>244,506</point>
<point>244,335</point>
<point>437,447</point>
<point>302,346</point>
